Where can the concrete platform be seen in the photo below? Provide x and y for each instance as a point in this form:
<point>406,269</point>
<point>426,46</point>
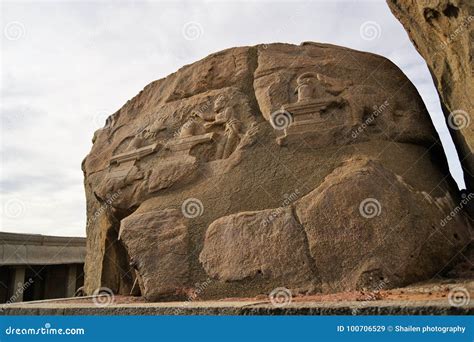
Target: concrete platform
<point>437,307</point>
<point>429,298</point>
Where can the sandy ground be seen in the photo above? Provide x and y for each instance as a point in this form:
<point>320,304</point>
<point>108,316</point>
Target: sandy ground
<point>428,291</point>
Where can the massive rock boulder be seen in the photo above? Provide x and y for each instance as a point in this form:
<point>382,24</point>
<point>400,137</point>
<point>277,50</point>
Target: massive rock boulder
<point>310,167</point>
<point>443,33</point>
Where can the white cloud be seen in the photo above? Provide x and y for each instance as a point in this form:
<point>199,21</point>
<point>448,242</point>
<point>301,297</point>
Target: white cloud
<point>77,62</point>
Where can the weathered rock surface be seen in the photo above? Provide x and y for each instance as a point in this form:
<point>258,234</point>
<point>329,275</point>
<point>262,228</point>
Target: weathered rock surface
<point>259,246</point>
<point>245,172</point>
<point>442,32</point>
<point>386,233</point>
<point>157,243</point>
<point>339,215</point>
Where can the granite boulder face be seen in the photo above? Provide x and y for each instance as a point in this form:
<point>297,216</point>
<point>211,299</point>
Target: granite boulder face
<point>313,167</point>
<point>443,33</point>
<point>157,243</point>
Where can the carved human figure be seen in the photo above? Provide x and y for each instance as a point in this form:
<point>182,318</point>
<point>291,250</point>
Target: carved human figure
<point>225,116</point>
<point>110,121</point>
<point>231,138</point>
<point>222,113</point>
<point>317,86</point>
<point>156,127</point>
<point>146,135</point>
<point>138,140</point>
<point>190,128</point>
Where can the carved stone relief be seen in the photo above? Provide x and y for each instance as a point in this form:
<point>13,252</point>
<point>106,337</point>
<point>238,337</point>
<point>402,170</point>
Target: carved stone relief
<point>216,129</point>
<point>306,115</point>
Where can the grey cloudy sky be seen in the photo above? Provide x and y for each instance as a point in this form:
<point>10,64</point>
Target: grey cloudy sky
<point>67,65</point>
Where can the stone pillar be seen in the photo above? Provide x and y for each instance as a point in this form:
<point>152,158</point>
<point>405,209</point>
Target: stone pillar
<point>18,283</point>
<point>71,280</point>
